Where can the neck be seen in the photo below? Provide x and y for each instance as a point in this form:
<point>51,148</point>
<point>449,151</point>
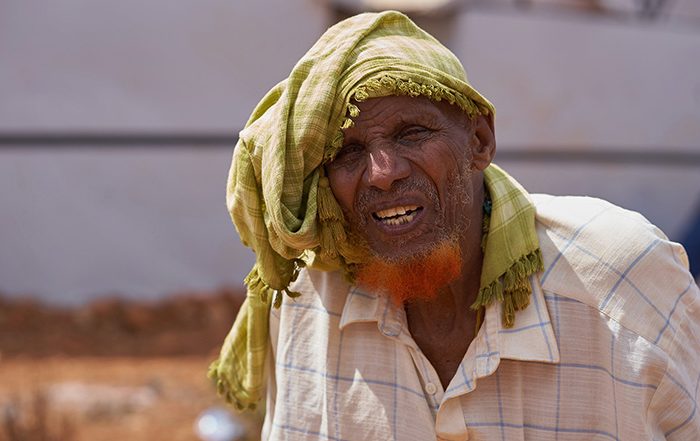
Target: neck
<point>450,309</point>
<point>444,326</point>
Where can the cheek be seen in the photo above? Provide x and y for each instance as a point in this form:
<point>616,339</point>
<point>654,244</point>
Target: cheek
<point>343,185</point>
<point>442,165</point>
<point>442,162</point>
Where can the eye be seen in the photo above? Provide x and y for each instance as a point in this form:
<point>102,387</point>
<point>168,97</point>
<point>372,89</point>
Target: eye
<point>413,133</point>
<point>348,156</point>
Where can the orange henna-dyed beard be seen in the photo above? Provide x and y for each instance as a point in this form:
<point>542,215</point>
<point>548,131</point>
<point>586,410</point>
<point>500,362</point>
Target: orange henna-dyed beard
<point>416,278</point>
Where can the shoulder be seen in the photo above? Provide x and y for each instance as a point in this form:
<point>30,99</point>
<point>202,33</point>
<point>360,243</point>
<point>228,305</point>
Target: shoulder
<point>574,214</point>
<point>322,299</point>
<point>614,260</point>
<point>324,289</point>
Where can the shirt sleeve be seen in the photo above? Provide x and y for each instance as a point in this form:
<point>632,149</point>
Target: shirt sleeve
<point>673,411</point>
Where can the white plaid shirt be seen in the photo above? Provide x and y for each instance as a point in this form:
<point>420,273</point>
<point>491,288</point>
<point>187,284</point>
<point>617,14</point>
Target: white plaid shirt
<point>609,349</point>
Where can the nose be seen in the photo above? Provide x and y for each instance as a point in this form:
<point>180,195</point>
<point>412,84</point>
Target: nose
<point>385,167</point>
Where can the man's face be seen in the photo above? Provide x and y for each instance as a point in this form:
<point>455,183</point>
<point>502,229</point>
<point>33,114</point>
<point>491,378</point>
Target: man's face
<point>403,175</point>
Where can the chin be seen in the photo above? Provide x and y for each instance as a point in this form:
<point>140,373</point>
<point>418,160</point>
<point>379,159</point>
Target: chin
<point>415,274</point>
<point>416,244</point>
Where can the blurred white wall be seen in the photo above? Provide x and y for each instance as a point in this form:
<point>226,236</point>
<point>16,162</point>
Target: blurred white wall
<point>135,221</point>
<point>145,221</point>
<point>594,86</point>
<point>574,82</point>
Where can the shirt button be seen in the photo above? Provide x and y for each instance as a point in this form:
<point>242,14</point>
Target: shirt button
<point>430,388</point>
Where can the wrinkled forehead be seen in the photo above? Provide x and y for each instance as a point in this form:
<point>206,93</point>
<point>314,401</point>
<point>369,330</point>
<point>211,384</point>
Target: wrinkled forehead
<point>378,110</point>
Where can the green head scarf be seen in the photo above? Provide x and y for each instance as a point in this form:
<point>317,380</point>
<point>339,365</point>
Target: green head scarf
<point>276,185</point>
<point>278,194</point>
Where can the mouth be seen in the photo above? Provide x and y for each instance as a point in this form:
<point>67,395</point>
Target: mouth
<point>397,216</point>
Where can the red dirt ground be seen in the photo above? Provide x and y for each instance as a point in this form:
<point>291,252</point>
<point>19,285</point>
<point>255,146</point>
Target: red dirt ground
<point>112,370</point>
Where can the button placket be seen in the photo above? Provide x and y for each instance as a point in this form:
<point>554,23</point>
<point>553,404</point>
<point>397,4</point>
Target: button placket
<point>428,378</point>
<point>450,424</point>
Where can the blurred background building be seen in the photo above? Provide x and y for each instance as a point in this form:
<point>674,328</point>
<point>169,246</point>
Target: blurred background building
<point>118,120</point>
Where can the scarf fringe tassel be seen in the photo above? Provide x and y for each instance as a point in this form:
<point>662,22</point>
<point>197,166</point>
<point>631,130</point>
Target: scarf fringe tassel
<point>334,248</point>
<point>241,392</point>
<point>330,216</point>
<point>512,288</point>
<point>387,85</point>
<point>226,385</point>
<point>238,391</point>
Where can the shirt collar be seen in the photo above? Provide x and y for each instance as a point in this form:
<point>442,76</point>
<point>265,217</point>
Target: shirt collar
<point>531,339</point>
<point>361,306</point>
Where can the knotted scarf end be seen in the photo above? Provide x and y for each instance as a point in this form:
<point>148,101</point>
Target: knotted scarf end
<point>512,287</point>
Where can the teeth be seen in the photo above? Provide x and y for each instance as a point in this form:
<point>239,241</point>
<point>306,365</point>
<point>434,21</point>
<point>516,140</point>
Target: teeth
<point>395,211</point>
<point>397,215</point>
<point>403,219</point>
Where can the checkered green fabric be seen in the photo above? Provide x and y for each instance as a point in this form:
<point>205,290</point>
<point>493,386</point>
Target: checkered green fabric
<point>277,193</point>
<point>274,180</point>
<point>511,248</point>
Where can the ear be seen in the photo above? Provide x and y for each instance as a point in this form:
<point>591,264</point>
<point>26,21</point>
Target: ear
<point>483,142</point>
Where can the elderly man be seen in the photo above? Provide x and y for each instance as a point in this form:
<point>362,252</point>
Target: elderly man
<point>406,288</point>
